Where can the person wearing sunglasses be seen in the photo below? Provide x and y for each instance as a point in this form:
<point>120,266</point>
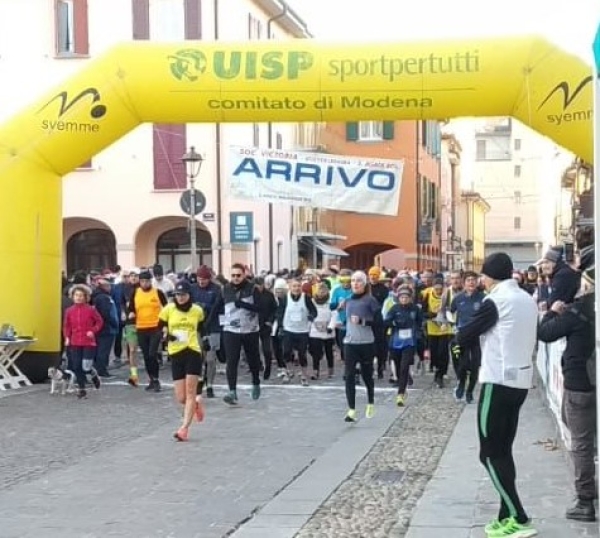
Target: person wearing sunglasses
<point>237,308</point>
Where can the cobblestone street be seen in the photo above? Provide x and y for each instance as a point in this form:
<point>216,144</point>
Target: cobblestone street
<point>285,466</point>
<point>108,466</point>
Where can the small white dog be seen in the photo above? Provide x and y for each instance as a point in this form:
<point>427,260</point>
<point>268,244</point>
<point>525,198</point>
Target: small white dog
<point>63,379</point>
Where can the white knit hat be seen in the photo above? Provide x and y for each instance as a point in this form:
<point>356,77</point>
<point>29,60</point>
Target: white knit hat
<point>280,284</point>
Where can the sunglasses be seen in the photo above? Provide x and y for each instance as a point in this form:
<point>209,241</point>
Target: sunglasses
<point>236,275</point>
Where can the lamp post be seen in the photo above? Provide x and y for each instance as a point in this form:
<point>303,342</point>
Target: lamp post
<point>193,162</point>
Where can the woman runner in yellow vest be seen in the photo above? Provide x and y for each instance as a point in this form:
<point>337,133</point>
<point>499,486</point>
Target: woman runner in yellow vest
<point>181,322</point>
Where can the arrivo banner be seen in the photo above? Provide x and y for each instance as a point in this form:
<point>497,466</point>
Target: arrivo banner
<point>319,180</point>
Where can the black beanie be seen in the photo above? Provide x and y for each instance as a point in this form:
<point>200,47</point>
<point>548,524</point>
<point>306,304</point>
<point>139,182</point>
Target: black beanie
<point>498,266</point>
<point>158,270</point>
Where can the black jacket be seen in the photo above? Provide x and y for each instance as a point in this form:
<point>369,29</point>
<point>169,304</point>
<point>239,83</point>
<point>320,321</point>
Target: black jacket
<point>577,325</point>
<point>267,308</point>
<point>564,283</point>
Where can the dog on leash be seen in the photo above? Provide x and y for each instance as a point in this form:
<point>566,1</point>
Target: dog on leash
<point>62,381</point>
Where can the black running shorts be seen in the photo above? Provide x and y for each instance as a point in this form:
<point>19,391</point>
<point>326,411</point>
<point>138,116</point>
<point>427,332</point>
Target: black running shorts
<point>186,362</point>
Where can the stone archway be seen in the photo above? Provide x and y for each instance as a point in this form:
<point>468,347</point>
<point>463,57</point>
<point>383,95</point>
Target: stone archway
<point>88,244</point>
<point>364,255</point>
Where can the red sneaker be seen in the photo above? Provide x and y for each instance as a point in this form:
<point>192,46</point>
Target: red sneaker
<point>181,434</point>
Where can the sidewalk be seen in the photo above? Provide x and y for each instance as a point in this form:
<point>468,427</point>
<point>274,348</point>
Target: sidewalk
<point>459,500</point>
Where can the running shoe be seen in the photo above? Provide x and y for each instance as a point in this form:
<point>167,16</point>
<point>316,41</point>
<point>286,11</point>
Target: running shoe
<point>350,415</point>
<point>231,398</point>
<point>133,381</point>
<point>370,412</point>
<point>511,528</point>
<point>181,434</point>
<point>255,392</point>
<point>400,400</point>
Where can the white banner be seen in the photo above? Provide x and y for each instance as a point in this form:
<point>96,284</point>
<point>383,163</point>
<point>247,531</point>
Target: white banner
<point>340,182</point>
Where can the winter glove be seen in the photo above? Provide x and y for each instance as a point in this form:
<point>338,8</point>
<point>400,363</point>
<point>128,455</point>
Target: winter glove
<point>206,343</point>
<point>171,338</point>
<point>456,351</point>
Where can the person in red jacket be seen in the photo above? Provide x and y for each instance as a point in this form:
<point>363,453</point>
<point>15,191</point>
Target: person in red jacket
<point>81,325</point>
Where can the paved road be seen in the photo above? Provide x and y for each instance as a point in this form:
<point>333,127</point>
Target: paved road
<point>108,466</point>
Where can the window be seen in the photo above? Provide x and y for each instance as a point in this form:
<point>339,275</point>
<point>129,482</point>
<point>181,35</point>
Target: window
<point>370,130</point>
<point>517,144</point>
<point>71,28</point>
<point>93,249</point>
<point>517,223</point>
<point>167,20</point>
<point>481,150</point>
<point>173,249</point>
<point>517,197</point>
<point>255,28</point>
<point>169,143</point>
<point>517,170</point>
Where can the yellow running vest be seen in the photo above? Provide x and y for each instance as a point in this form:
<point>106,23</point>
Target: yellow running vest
<point>147,308</point>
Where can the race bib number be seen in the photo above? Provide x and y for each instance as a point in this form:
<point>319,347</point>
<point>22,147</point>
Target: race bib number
<point>404,334</point>
<point>181,336</point>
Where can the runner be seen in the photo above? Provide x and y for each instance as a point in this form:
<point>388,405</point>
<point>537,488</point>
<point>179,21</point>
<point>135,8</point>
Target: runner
<point>362,312</point>
<point>180,323</point>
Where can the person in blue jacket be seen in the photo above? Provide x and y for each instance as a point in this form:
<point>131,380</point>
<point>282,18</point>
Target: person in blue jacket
<point>406,322</point>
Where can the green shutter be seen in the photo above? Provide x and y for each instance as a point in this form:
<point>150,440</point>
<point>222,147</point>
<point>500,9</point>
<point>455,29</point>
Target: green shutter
<point>352,131</point>
<point>388,130</point>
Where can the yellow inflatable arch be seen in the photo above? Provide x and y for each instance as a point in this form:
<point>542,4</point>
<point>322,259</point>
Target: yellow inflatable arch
<point>299,80</point>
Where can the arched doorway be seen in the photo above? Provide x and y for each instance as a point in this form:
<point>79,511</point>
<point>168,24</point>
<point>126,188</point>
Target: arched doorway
<point>91,249</point>
<point>173,249</point>
<point>363,255</point>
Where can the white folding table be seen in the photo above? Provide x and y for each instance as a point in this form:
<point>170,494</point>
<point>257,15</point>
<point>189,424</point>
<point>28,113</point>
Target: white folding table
<point>11,377</point>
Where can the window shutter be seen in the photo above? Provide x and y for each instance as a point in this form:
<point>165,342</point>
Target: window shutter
<point>193,19</point>
<point>169,143</point>
<point>80,27</point>
<point>141,19</point>
<point>352,131</point>
<point>388,130</point>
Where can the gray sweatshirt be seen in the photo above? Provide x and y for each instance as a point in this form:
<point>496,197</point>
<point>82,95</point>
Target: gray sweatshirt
<point>366,308</point>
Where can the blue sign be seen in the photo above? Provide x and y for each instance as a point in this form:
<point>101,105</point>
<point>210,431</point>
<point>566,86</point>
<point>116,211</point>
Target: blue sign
<point>241,227</point>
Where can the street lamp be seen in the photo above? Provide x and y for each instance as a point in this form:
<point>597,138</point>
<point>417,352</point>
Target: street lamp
<point>193,162</point>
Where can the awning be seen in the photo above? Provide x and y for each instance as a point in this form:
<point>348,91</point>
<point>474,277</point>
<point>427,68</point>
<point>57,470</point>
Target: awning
<point>325,248</point>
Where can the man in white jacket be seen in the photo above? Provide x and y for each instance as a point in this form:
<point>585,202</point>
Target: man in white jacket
<point>506,324</point>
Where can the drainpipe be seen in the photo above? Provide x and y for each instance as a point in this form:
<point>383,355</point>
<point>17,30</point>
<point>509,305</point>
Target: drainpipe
<point>418,182</point>
<point>270,141</point>
<point>218,171</point>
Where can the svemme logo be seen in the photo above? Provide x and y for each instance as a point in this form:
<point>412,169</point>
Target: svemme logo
<point>568,98</point>
<point>189,64</point>
<point>96,111</point>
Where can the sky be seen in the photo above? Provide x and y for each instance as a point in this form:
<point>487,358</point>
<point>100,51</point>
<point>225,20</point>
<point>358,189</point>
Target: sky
<point>570,24</point>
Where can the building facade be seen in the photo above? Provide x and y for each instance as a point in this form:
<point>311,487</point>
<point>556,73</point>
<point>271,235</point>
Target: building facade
<point>413,238</point>
<point>450,200</point>
<point>470,232</point>
<point>517,172</point>
<point>123,206</point>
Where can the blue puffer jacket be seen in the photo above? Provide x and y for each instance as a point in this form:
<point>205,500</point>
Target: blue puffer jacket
<point>406,322</point>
